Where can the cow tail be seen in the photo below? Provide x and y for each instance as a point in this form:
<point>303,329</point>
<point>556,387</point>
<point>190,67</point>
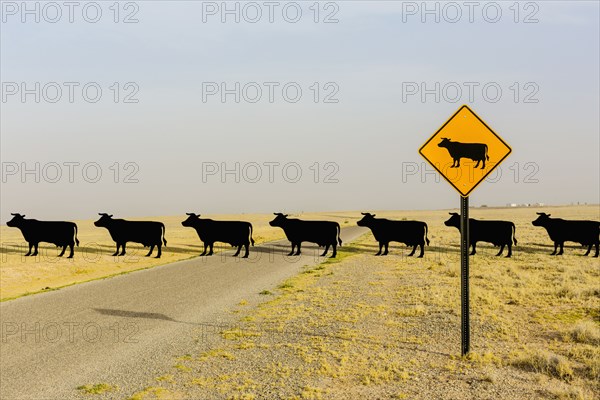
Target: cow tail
<point>76,240</point>
<point>339,230</point>
<point>426,230</point>
<point>486,153</point>
<point>162,226</point>
<point>514,231</point>
<point>251,239</point>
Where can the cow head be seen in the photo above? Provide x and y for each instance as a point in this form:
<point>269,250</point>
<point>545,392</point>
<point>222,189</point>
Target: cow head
<point>542,219</point>
<point>279,220</point>
<point>191,219</point>
<point>367,220</point>
<point>454,220</point>
<point>16,221</point>
<point>104,221</point>
<point>444,143</point>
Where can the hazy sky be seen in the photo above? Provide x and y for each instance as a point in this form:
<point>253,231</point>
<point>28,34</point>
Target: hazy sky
<point>369,61</point>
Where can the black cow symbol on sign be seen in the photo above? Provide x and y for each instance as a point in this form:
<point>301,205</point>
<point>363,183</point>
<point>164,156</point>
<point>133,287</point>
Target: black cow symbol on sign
<point>475,151</point>
<point>59,233</point>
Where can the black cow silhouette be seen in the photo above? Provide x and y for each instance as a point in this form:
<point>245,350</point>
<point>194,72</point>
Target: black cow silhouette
<point>587,233</point>
<point>59,233</point>
<point>475,151</point>
<point>499,233</point>
<point>411,233</point>
<point>323,233</point>
<point>148,233</point>
<point>235,233</point>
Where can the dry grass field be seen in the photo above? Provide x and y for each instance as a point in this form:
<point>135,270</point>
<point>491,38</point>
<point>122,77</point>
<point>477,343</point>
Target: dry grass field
<point>93,259</point>
<point>373,327</point>
<point>21,275</point>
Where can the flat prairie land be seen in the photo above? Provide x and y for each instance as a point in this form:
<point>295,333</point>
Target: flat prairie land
<point>371,327</point>
<point>93,259</point>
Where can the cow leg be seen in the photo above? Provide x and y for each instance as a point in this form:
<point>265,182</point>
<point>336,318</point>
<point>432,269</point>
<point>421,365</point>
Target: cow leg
<point>555,248</point>
<point>62,253</point>
<point>334,250</point>
<point>298,250</point>
<point>29,252</point>
<point>560,252</point>
<point>247,250</point>
<point>210,249</point>
<point>413,251</point>
<point>474,251</point>
<point>159,250</point>
<point>501,250</point>
<point>117,252</point>
<point>151,250</point>
<point>483,166</point>
<point>291,253</point>
<point>509,250</point>
<point>385,252</point>
<point>326,250</point>
<point>237,253</point>
<point>204,252</point>
<point>35,249</point>
<point>380,247</point>
<point>422,246</point>
<point>588,250</point>
<point>123,248</point>
<point>597,250</point>
<point>477,165</point>
<point>71,250</point>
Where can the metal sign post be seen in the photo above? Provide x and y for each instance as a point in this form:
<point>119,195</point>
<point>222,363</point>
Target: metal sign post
<point>465,137</point>
<point>464,276</point>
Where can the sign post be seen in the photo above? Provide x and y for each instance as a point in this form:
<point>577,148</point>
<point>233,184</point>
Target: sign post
<point>465,139</point>
<point>464,276</point>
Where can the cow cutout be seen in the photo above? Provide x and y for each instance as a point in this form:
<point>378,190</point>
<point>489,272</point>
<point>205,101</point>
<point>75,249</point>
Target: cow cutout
<point>474,151</point>
<point>584,232</point>
<point>498,233</point>
<point>235,233</point>
<point>148,233</point>
<point>323,233</point>
<point>60,233</point>
<point>411,233</point>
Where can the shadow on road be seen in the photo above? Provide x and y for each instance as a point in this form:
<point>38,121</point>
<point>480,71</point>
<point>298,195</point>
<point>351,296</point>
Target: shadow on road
<point>135,314</point>
<point>216,328</point>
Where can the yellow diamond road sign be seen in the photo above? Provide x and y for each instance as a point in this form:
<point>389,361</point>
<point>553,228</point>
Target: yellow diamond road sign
<point>465,150</point>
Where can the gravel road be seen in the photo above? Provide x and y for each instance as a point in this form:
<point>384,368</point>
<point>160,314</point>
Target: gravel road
<point>127,328</point>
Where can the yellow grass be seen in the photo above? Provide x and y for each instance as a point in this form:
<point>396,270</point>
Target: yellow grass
<point>93,258</point>
<point>98,388</point>
<point>388,327</point>
<point>21,275</point>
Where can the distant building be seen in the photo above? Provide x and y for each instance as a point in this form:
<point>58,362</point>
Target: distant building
<point>514,205</point>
